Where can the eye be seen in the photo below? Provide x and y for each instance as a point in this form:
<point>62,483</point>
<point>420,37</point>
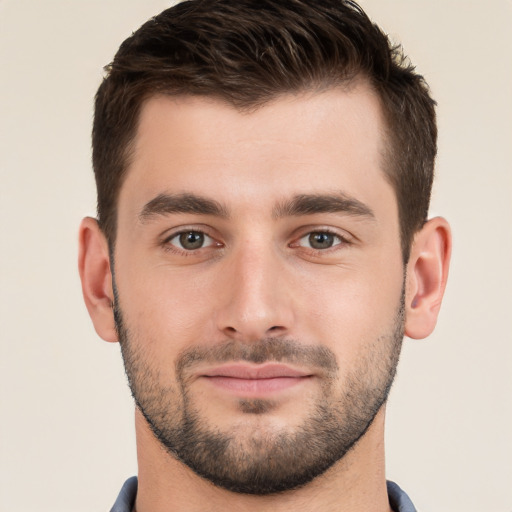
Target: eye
<point>190,240</point>
<point>320,240</point>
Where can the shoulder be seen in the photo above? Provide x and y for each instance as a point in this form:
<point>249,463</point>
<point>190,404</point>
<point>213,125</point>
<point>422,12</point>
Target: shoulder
<point>398,499</point>
<point>126,498</point>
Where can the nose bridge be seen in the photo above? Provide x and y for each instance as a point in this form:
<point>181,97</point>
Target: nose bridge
<point>256,302</point>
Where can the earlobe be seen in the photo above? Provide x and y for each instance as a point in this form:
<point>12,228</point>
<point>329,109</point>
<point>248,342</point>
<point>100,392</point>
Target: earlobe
<point>96,277</point>
<point>427,273</point>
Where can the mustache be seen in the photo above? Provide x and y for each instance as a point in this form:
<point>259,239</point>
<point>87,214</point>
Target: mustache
<point>258,352</point>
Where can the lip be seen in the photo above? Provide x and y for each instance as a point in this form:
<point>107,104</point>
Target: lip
<point>248,371</point>
<point>255,380</point>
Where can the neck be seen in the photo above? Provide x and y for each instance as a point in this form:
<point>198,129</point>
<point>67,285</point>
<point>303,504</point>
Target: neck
<point>354,484</point>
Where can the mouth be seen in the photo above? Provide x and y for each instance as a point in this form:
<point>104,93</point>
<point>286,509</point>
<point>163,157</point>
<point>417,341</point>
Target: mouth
<point>249,380</point>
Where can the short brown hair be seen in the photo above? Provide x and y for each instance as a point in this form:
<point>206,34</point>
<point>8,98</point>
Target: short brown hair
<point>247,52</point>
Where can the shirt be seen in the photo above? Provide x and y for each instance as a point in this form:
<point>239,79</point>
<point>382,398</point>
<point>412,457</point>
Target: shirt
<point>398,499</point>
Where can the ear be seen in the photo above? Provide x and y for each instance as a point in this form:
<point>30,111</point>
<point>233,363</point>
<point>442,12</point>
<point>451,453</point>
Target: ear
<point>96,276</point>
<point>427,272</point>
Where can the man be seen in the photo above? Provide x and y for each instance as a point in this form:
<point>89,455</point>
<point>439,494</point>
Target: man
<point>262,246</point>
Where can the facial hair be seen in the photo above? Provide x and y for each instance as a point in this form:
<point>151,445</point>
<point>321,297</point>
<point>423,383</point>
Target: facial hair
<point>263,461</point>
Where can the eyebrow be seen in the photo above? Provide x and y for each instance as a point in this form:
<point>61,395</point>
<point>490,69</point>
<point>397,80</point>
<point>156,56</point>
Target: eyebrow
<point>309,204</point>
<point>164,204</point>
<point>302,204</point>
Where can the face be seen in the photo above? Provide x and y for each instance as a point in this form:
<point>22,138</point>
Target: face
<point>259,283</point>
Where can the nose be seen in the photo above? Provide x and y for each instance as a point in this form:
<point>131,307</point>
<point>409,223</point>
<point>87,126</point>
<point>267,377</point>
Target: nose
<point>255,299</point>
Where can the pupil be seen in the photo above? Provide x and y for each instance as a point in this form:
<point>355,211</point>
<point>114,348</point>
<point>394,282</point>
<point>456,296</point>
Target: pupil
<point>191,240</point>
<point>321,240</point>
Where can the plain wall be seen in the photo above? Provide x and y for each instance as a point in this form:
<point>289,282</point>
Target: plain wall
<point>66,430</point>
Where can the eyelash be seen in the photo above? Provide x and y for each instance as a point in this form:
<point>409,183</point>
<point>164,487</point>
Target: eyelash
<point>342,241</point>
<point>169,247</point>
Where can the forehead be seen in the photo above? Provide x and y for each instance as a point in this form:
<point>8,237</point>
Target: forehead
<point>308,143</point>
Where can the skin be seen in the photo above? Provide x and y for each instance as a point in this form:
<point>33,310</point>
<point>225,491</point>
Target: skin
<point>257,276</point>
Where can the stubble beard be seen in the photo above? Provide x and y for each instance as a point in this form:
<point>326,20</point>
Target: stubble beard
<point>263,461</point>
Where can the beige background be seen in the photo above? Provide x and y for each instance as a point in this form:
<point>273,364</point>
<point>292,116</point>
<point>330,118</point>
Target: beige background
<point>66,434</point>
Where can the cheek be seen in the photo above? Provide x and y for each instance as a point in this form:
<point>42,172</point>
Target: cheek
<point>162,304</point>
<point>353,309</point>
